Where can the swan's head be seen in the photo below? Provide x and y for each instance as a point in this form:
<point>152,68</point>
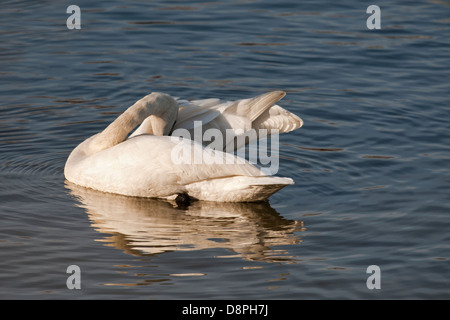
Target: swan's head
<point>161,112</point>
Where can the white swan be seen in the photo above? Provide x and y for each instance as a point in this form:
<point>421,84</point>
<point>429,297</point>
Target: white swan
<point>143,165</point>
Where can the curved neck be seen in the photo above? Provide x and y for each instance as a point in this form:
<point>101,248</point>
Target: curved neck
<point>157,104</point>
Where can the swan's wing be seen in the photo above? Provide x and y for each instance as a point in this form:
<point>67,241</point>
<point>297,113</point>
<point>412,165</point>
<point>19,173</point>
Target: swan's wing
<point>235,115</point>
<point>204,111</point>
<point>277,118</point>
<point>208,103</point>
<point>235,120</point>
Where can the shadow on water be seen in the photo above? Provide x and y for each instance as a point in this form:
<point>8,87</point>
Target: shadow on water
<point>142,226</point>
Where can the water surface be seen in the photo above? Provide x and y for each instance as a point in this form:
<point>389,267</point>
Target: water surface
<point>371,163</point>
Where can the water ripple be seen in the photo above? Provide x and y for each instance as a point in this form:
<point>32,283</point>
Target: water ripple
<point>370,163</point>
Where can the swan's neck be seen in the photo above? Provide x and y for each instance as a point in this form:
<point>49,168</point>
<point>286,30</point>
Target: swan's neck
<point>155,104</point>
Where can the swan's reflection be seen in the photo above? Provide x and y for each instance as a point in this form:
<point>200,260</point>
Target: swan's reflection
<point>141,226</point>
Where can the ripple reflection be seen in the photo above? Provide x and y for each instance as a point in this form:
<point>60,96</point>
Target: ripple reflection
<point>141,226</point>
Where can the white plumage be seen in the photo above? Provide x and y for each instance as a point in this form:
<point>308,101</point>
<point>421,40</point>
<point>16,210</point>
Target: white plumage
<point>143,164</point>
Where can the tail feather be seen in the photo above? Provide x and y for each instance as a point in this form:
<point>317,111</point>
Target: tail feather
<point>237,188</point>
<point>278,118</point>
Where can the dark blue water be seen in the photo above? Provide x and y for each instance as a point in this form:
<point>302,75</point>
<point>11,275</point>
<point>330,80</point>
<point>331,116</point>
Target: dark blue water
<point>371,163</point>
